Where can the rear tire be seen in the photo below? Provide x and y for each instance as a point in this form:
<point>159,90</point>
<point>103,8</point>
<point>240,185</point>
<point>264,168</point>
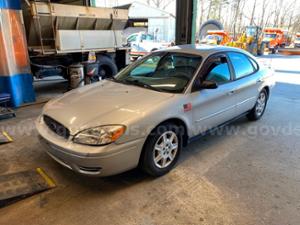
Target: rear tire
<point>161,150</point>
<point>273,50</point>
<point>260,106</point>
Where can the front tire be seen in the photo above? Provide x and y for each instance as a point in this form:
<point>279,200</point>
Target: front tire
<point>260,106</point>
<point>161,150</point>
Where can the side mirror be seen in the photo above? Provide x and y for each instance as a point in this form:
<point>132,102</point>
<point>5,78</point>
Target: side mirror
<point>208,84</point>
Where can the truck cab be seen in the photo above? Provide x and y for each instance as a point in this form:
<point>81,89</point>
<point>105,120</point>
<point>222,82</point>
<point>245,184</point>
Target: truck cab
<point>274,38</point>
<point>143,43</point>
<point>297,40</point>
<point>139,37</point>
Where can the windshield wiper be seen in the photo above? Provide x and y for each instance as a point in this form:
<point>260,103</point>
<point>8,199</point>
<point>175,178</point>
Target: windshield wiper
<point>141,84</point>
<point>112,78</point>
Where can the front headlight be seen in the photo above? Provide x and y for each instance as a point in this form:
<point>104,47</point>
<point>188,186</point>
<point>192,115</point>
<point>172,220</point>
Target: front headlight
<point>101,135</point>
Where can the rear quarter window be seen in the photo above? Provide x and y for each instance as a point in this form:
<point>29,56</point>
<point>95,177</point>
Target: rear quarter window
<point>254,63</point>
<point>241,64</point>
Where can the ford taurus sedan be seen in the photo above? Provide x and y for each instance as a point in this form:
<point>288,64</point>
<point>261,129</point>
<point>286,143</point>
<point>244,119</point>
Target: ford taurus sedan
<point>149,111</point>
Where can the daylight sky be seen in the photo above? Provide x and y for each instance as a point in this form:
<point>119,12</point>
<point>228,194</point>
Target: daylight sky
<point>110,3</point>
<point>171,8</point>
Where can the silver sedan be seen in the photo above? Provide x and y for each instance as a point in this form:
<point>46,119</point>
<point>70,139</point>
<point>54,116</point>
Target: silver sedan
<point>149,111</point>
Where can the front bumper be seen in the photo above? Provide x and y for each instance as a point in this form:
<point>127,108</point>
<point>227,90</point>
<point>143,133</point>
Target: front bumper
<point>103,161</point>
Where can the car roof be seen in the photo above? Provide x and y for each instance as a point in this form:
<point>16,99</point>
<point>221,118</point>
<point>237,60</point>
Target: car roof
<point>203,50</point>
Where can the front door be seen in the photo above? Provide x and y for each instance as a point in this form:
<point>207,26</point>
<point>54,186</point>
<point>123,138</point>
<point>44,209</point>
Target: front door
<point>212,107</point>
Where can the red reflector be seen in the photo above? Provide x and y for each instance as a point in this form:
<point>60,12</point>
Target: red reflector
<point>91,72</point>
<point>187,107</point>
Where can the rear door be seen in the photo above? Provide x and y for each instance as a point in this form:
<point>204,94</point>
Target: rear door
<point>247,81</point>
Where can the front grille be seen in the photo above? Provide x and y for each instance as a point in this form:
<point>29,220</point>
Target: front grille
<point>56,127</point>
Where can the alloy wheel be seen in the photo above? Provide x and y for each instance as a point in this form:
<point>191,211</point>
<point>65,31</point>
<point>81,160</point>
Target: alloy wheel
<point>261,104</point>
<point>165,149</point>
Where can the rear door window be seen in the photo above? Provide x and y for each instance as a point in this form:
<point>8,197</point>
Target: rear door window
<point>241,64</point>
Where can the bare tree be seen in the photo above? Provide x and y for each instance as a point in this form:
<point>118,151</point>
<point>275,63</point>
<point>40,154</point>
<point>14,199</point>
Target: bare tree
<point>253,12</point>
<point>236,20</point>
<point>201,2</point>
<point>209,9</point>
<point>241,16</point>
<point>161,4</point>
<point>264,5</point>
<point>235,14</point>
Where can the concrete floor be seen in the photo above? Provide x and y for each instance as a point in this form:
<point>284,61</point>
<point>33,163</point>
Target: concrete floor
<point>245,176</point>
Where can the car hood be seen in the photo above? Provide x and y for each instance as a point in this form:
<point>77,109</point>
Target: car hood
<point>103,103</point>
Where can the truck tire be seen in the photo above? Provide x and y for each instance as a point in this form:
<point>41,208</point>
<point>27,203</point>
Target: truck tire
<point>263,46</point>
<point>273,51</point>
<point>259,51</point>
<point>107,67</point>
<point>209,25</point>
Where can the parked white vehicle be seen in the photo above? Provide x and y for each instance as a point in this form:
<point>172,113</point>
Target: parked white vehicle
<point>142,44</point>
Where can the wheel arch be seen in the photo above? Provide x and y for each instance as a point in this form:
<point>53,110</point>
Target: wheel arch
<point>178,122</point>
<point>267,88</point>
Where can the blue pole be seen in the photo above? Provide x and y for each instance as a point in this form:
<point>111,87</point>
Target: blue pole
<point>10,4</point>
<point>15,74</point>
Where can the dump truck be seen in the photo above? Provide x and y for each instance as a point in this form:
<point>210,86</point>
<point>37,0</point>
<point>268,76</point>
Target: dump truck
<point>64,35</point>
<point>274,38</point>
<point>296,42</point>
<point>217,37</point>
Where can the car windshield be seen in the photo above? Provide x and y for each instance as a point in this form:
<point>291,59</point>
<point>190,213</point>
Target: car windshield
<point>210,37</point>
<point>251,31</point>
<point>161,71</point>
<point>297,39</point>
<point>147,37</point>
<point>270,36</point>
<point>132,38</point>
<point>215,37</point>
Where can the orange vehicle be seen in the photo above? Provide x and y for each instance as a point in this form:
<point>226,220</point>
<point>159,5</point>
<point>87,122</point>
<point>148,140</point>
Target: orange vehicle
<point>274,38</point>
<point>297,41</point>
<point>218,37</point>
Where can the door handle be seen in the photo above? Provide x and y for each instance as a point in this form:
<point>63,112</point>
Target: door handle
<point>259,81</point>
<point>231,92</point>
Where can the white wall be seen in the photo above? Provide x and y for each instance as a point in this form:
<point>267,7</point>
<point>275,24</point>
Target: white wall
<point>156,19</point>
<point>165,27</point>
